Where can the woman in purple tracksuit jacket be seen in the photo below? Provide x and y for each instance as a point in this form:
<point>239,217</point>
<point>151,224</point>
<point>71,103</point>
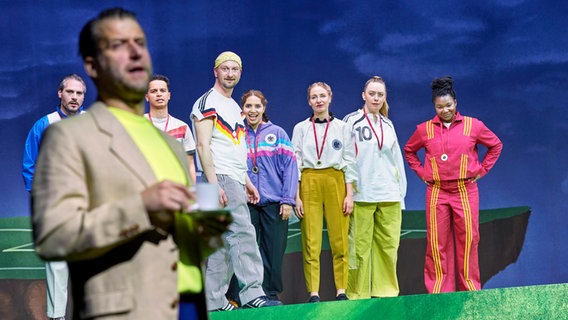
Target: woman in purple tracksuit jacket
<point>273,170</point>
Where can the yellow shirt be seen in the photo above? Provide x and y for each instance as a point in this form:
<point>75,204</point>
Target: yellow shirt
<point>166,166</point>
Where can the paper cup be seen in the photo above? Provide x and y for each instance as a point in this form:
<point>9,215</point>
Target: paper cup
<point>207,195</point>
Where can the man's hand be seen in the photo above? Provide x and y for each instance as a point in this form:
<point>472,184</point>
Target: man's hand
<point>223,200</point>
<point>162,199</point>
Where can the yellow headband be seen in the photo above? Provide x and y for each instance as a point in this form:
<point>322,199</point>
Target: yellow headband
<point>228,56</point>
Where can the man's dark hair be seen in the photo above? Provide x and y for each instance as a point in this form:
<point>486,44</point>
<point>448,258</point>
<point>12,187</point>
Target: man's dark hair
<point>89,36</point>
<point>71,76</point>
<point>162,78</point>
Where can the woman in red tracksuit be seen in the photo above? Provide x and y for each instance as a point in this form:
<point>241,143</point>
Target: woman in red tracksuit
<point>450,170</point>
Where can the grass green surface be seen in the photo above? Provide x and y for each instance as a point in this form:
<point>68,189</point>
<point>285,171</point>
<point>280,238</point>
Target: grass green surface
<point>535,302</point>
<point>17,257</point>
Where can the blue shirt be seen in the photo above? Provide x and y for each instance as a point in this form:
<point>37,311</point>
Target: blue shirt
<point>33,142</point>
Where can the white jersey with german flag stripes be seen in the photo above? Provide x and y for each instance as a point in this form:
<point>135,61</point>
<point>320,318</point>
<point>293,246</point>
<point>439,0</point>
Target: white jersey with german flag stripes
<point>228,144</point>
<point>177,129</point>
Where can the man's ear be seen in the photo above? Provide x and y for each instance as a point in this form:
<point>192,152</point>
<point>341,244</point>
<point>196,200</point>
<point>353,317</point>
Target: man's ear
<point>90,68</point>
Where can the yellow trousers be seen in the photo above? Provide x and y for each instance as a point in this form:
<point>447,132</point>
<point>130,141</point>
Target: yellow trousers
<point>376,232</point>
<point>322,193</point>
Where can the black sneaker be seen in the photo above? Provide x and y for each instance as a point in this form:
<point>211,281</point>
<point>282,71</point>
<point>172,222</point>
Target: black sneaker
<point>261,302</point>
<point>228,307</point>
<point>314,299</point>
<point>341,296</point>
<point>234,303</point>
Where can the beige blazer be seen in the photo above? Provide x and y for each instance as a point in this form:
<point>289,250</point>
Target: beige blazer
<point>87,210</point>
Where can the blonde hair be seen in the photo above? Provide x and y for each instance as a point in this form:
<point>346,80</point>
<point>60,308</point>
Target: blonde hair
<point>321,84</point>
<point>385,108</point>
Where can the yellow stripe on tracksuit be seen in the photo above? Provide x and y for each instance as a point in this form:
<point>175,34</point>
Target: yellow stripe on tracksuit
<point>467,125</point>
<point>468,221</point>
<point>430,129</point>
<point>434,228</point>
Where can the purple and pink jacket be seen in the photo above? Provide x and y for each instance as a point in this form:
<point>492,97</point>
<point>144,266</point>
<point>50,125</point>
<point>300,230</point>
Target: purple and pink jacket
<point>277,177</point>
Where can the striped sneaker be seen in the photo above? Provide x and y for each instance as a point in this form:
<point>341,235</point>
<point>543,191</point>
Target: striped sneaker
<point>261,302</point>
<point>228,307</point>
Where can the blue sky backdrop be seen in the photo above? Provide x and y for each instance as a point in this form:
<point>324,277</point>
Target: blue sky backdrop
<point>509,59</point>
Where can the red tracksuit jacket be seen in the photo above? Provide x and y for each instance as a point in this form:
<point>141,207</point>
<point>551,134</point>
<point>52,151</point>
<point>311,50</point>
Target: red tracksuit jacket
<point>458,142</point>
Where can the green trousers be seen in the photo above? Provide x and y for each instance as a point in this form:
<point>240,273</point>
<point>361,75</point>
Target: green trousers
<point>375,231</point>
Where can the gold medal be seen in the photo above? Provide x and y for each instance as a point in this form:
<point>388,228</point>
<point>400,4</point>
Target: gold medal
<point>255,169</point>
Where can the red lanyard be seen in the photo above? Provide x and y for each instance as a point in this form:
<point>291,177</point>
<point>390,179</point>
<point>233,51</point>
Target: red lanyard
<point>379,142</point>
<point>255,149</point>
<point>318,151</point>
<point>167,121</point>
<point>444,155</point>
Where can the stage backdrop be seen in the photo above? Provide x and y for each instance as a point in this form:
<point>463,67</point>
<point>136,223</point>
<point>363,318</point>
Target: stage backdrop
<point>508,57</point>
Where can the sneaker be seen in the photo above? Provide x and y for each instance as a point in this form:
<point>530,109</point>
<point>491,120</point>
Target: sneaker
<point>234,303</point>
<point>314,299</point>
<point>341,296</point>
<point>228,307</point>
<point>261,302</point>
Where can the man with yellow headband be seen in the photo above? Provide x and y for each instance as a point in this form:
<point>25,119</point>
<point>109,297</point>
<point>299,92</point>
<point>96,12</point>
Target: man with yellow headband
<point>221,147</point>
<point>111,191</point>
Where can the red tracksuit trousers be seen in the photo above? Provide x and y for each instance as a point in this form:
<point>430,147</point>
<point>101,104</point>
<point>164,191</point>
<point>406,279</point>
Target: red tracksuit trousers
<point>452,221</point>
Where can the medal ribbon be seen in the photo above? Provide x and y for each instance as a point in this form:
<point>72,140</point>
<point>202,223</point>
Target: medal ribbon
<point>444,131</point>
<point>318,151</point>
<point>167,121</point>
<point>379,142</point>
<point>255,149</point>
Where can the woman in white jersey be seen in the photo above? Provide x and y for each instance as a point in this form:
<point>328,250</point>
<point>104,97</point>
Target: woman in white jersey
<point>326,160</point>
<point>379,200</point>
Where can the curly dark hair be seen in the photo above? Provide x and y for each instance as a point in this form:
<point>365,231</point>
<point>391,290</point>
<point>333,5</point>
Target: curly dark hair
<point>442,86</point>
